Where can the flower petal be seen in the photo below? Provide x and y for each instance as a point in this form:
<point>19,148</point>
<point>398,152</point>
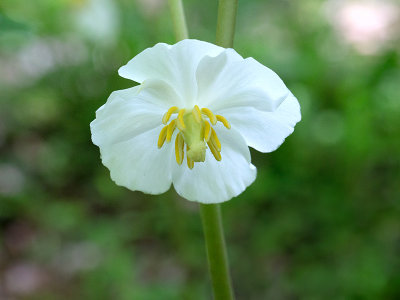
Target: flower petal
<point>263,130</point>
<point>138,164</point>
<point>175,64</point>
<point>126,130</point>
<point>213,181</point>
<point>129,112</point>
<point>236,82</point>
<point>160,93</point>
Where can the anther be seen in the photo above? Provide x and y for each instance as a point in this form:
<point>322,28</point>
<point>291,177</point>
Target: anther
<point>214,139</point>
<point>181,123</point>
<point>210,115</point>
<point>207,131</point>
<point>223,121</point>
<point>196,114</point>
<point>162,136</point>
<point>179,148</point>
<point>170,130</point>
<point>168,114</point>
<point>214,151</point>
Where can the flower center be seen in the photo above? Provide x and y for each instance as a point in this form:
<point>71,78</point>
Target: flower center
<point>195,130</point>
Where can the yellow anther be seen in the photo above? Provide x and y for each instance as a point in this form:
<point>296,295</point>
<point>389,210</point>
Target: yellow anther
<point>196,113</point>
<point>214,139</point>
<point>214,151</point>
<point>179,148</point>
<point>168,114</point>
<point>190,162</point>
<point>210,115</point>
<point>181,124</point>
<point>223,121</point>
<point>170,130</point>
<point>207,131</point>
<point>162,136</point>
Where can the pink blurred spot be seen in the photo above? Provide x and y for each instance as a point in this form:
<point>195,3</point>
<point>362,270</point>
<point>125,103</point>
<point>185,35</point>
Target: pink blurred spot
<point>367,25</point>
<point>24,278</point>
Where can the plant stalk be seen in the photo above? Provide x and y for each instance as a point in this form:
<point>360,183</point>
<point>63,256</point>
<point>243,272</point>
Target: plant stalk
<point>226,23</point>
<point>179,20</point>
<point>216,251</point>
<point>211,213</point>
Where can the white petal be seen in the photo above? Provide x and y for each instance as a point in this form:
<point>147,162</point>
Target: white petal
<point>126,130</point>
<point>138,164</point>
<point>160,93</point>
<point>265,131</point>
<point>225,81</point>
<point>130,112</point>
<point>213,181</point>
<point>174,64</point>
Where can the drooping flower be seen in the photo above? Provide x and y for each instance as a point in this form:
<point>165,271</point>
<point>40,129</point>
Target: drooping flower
<point>190,121</point>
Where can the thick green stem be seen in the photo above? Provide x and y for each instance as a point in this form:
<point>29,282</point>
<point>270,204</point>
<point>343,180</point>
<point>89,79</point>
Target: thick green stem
<point>216,251</point>
<point>226,22</point>
<point>178,18</point>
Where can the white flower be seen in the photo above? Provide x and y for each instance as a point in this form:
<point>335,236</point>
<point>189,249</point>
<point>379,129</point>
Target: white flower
<point>199,104</point>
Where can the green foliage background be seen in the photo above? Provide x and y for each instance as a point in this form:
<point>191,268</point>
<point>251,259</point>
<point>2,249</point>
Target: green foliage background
<point>322,220</point>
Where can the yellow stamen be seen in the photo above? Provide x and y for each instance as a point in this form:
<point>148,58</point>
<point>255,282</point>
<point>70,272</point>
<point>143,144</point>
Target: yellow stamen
<point>207,131</point>
<point>179,148</point>
<point>196,114</point>
<point>168,114</point>
<point>223,121</point>
<point>170,130</point>
<point>195,131</point>
<point>214,151</point>
<point>162,136</point>
<point>181,124</point>
<point>214,139</point>
<point>210,115</point>
<point>190,162</point>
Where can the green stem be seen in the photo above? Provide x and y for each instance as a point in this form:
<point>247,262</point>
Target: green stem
<point>178,18</point>
<point>216,251</point>
<point>211,213</point>
<point>226,22</point>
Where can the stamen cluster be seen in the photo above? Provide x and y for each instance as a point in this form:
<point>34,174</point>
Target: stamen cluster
<point>195,130</point>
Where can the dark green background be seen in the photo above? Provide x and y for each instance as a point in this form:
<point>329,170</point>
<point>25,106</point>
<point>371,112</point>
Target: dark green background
<point>321,221</point>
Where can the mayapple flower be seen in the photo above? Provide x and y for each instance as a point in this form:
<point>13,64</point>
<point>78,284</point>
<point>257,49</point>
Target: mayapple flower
<point>191,120</point>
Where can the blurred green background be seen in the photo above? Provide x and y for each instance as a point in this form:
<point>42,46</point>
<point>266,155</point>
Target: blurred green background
<point>322,220</point>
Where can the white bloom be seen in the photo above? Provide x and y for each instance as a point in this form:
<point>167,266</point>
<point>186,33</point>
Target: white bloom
<point>198,98</point>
